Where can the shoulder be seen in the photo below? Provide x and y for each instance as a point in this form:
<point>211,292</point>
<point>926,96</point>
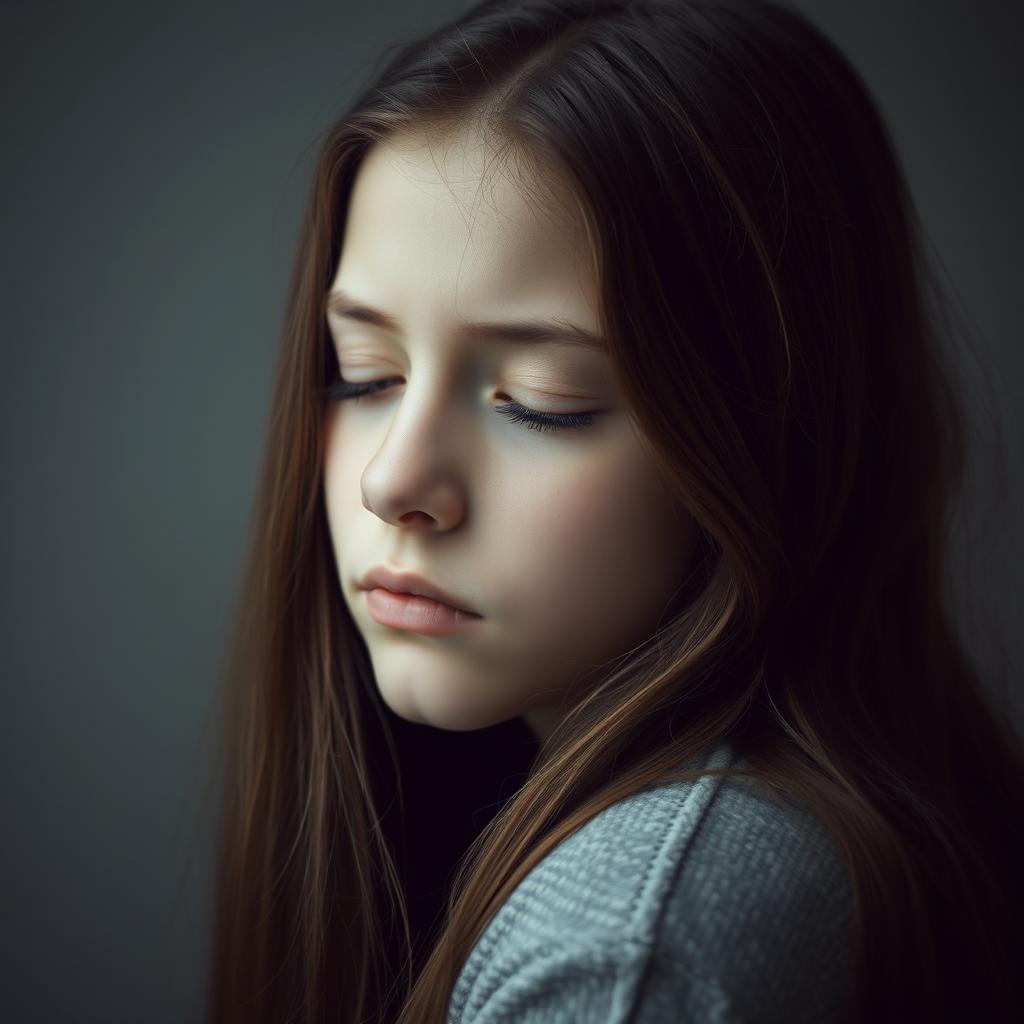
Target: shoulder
<point>707,898</point>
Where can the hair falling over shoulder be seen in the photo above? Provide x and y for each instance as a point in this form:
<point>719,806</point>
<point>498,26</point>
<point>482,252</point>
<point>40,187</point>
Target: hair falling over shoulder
<point>774,317</point>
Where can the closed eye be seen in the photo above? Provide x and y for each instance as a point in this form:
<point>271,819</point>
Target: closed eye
<point>342,390</point>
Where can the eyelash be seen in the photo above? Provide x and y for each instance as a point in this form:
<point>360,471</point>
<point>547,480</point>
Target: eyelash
<point>342,390</point>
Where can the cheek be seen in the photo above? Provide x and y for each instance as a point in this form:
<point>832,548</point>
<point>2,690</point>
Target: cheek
<point>331,449</point>
<point>343,467</point>
<point>342,492</point>
<point>607,544</point>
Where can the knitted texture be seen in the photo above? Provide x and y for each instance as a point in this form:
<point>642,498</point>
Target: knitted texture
<point>702,901</point>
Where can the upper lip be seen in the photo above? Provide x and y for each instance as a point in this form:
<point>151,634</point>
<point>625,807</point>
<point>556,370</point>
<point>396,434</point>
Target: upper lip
<point>410,583</point>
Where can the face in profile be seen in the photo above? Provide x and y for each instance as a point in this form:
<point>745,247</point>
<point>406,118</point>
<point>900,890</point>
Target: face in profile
<point>560,536</point>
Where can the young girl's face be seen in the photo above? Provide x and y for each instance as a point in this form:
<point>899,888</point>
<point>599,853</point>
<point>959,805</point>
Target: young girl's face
<point>565,542</point>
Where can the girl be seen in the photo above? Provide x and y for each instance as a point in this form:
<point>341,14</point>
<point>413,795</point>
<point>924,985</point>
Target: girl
<point>592,661</point>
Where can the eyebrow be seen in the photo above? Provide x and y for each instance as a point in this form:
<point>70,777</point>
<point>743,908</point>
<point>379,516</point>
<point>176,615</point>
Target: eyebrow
<point>343,305</point>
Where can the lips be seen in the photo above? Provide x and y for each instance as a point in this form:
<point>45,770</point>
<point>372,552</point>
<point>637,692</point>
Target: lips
<point>410,583</point>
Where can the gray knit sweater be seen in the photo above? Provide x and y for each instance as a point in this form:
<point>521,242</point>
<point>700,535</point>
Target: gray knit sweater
<point>691,902</point>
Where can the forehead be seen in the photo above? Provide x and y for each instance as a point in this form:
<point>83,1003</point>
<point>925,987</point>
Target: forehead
<point>458,225</point>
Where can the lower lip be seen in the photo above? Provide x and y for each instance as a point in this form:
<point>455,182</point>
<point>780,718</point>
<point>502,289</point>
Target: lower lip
<point>417,614</point>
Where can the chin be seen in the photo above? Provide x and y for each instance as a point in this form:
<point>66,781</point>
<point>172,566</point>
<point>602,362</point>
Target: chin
<point>450,716</point>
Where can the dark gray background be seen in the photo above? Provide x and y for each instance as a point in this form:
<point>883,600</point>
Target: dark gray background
<point>156,159</point>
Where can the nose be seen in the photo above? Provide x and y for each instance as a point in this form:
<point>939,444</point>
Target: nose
<point>417,477</point>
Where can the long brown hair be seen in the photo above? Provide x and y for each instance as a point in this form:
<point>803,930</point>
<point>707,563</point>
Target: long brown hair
<point>776,323</point>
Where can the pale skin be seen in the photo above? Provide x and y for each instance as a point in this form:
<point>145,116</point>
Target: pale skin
<point>567,542</point>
